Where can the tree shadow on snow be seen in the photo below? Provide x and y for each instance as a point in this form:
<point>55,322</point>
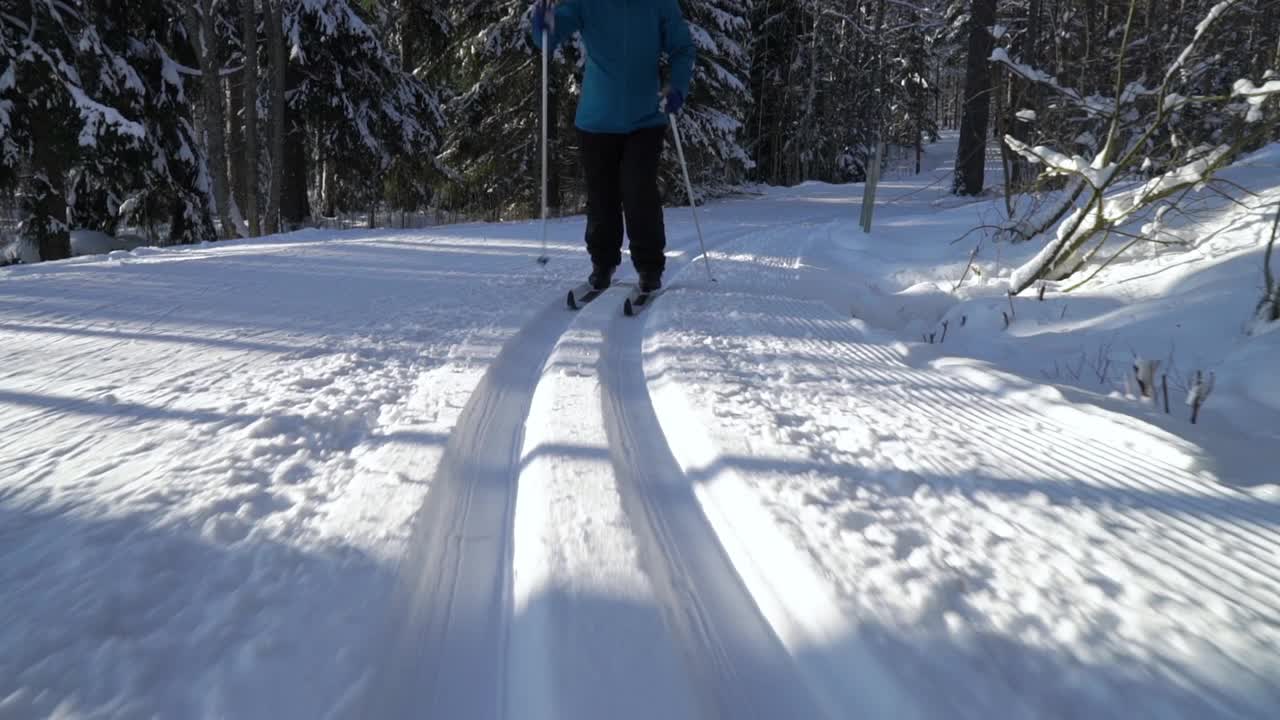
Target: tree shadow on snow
<point>265,298</point>
<point>139,614</point>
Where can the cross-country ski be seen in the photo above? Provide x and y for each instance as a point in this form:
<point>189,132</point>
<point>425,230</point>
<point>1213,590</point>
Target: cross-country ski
<point>638,359</point>
<point>583,294</point>
<point>637,300</point>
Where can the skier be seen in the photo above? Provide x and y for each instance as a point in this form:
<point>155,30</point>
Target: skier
<point>622,120</point>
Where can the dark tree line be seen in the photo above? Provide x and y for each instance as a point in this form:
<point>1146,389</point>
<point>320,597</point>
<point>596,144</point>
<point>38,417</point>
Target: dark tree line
<point>205,119</point>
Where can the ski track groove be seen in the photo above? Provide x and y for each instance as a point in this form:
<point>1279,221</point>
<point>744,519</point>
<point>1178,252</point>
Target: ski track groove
<point>440,663</point>
<point>429,656</point>
<point>739,666</point>
<point>747,670</point>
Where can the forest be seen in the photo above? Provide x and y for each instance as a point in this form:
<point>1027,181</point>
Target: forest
<point>184,121</point>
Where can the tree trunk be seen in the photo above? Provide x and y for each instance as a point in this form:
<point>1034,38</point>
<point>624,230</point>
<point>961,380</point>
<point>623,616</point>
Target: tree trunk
<point>411,28</point>
<point>919,142</point>
<point>1275,61</point>
<point>295,207</point>
<point>199,21</point>
<point>45,202</point>
<point>328,190</point>
<point>1153,59</point>
<point>971,157</point>
<point>275,44</point>
<point>235,140</point>
<point>249,27</point>
<point>1023,94</point>
<point>178,224</point>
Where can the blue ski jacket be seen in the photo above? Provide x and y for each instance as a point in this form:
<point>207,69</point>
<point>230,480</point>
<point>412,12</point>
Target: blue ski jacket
<point>624,39</point>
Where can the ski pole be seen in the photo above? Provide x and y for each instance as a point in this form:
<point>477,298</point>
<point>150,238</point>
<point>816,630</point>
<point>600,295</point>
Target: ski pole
<point>543,259</point>
<point>693,204</point>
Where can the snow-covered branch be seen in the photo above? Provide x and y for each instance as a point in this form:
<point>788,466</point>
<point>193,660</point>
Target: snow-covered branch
<point>1122,153</point>
<point>1093,104</point>
<point>1255,95</point>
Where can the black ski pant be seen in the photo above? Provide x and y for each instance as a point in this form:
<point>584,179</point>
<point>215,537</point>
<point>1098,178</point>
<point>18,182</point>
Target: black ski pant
<point>622,179</point>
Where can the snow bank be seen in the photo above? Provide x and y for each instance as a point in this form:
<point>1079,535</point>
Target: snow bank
<point>92,242</point>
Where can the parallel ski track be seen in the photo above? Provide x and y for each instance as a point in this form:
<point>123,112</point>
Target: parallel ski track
<point>738,663</point>
<point>739,666</point>
<point>446,634</point>
<point>733,652</point>
<point>446,643</point>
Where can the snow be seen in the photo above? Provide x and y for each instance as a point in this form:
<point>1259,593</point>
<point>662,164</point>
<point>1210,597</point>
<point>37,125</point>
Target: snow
<point>97,117</point>
<point>1094,172</point>
<point>387,473</point>
<point>1256,95</point>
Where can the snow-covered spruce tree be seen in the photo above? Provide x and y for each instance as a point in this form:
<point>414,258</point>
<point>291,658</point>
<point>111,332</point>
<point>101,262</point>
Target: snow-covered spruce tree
<point>815,94</point>
<point>160,176</point>
<point>421,32</point>
<point>909,91</point>
<point>494,123</point>
<point>713,122</point>
<point>43,99</point>
<point>775,55</point>
<point>95,130</point>
<point>362,110</point>
<point>1177,134</point>
<point>11,40</point>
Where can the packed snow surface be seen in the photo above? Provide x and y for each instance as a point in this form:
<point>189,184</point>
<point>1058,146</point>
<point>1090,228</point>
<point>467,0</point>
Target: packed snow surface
<point>389,474</point>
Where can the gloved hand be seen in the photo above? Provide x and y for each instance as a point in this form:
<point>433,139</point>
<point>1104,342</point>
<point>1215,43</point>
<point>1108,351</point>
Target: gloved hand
<point>544,17</point>
<point>672,101</point>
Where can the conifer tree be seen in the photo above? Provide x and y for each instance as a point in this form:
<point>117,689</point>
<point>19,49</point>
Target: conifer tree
<point>714,121</point>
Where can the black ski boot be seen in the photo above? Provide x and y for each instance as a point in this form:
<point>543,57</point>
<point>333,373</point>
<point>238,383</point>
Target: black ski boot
<point>602,276</point>
<point>650,281</point>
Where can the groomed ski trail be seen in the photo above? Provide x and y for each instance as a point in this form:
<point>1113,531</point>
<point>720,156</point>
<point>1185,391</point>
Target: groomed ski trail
<point>742,666</point>
<point>588,637</point>
<point>447,631</point>
<point>626,605</point>
<point>560,566</point>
